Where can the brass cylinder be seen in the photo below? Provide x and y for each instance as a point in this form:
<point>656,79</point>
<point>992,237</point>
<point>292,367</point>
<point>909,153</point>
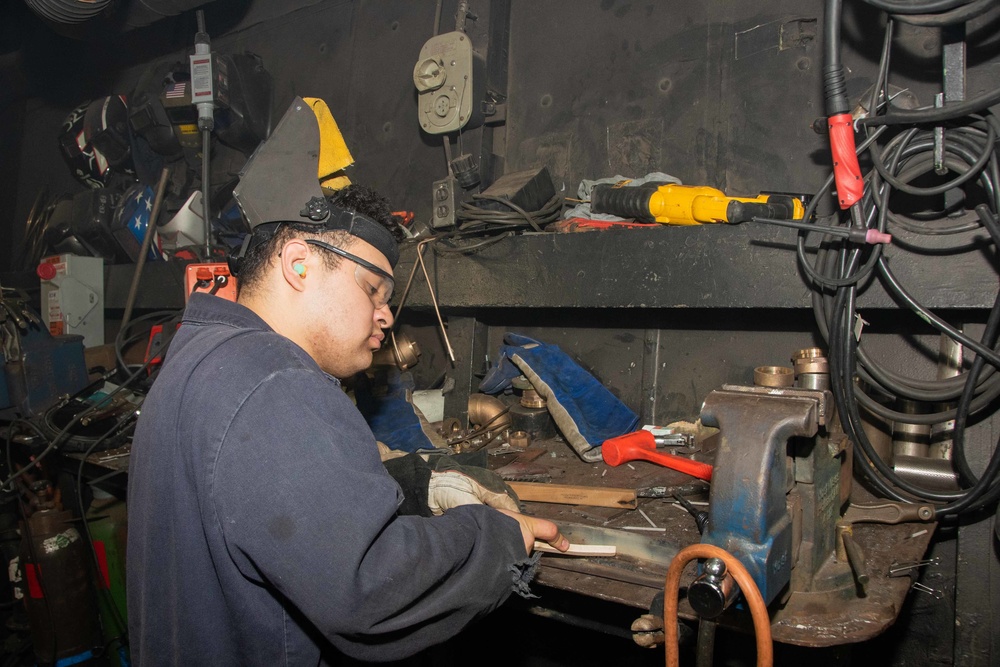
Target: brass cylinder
<point>812,369</point>
<point>773,376</point>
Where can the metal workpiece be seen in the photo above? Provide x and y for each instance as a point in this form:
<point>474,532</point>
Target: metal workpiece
<point>488,412</point>
<point>400,351</point>
<point>530,398</point>
<point>748,515</point>
<point>812,369</point>
<point>926,471</point>
<point>773,376</point>
<point>910,439</point>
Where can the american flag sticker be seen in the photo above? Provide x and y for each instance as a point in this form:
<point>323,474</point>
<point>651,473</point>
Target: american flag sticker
<point>176,90</point>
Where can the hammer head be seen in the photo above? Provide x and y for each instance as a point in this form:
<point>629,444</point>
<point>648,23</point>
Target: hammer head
<point>625,448</point>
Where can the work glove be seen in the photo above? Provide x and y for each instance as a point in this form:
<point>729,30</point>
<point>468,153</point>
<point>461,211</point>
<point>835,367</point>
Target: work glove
<point>586,413</point>
<point>452,485</point>
<point>430,489</point>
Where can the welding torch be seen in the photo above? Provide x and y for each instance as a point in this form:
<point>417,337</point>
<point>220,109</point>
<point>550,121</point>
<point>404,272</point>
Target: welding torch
<point>852,234</point>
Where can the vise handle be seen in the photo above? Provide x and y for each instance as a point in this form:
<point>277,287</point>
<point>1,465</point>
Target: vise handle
<point>888,513</point>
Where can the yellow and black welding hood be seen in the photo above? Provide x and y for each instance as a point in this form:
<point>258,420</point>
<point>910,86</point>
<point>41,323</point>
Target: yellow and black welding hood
<point>288,176</point>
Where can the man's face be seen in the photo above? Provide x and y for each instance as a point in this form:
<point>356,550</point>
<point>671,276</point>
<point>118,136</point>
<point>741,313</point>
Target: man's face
<point>346,327</point>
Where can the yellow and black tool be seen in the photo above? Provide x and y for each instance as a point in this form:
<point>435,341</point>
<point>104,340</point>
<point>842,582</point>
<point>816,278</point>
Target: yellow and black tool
<point>674,204</point>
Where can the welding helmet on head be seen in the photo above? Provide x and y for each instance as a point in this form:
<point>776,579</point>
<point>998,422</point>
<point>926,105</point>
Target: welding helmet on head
<point>287,179</point>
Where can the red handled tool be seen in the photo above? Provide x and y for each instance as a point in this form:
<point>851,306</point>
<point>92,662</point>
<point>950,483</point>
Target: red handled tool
<point>641,446</point>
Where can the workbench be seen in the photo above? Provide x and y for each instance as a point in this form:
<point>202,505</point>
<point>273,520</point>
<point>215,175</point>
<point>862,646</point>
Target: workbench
<point>638,572</point>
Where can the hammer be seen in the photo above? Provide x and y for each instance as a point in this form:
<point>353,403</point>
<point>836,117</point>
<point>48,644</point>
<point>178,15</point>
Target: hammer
<point>641,446</point>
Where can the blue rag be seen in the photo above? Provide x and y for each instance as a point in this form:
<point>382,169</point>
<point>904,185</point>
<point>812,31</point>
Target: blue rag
<point>393,418</point>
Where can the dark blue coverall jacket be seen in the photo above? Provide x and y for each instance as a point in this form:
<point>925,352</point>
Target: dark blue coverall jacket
<point>263,527</point>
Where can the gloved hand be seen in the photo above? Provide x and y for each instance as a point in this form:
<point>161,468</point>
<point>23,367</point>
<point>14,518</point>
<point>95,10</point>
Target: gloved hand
<point>452,485</point>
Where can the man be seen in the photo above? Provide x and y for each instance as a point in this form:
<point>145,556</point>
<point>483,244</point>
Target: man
<point>263,526</point>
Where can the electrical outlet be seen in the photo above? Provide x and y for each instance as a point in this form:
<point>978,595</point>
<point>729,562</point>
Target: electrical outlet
<point>443,203</point>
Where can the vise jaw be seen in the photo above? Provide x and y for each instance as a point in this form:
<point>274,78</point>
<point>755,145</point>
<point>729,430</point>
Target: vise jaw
<point>748,516</point>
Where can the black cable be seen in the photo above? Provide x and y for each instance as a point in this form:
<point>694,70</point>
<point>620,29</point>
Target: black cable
<point>969,152</point>
<point>834,83</point>
<point>80,415</point>
<point>957,15</point>
<point>935,114</point>
<point>905,7</point>
<point>908,148</point>
<point>121,343</point>
<point>932,319</point>
<point>471,216</point>
<point>462,249</point>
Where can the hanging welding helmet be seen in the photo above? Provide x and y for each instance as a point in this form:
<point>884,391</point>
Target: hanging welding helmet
<point>166,82</point>
<point>87,165</point>
<point>287,179</point>
<point>243,108</point>
<point>105,126</point>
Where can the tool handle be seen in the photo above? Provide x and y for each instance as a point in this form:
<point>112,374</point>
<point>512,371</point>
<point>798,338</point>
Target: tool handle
<point>687,466</point>
<point>625,202</point>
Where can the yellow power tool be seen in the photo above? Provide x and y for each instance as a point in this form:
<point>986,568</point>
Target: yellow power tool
<point>675,204</point>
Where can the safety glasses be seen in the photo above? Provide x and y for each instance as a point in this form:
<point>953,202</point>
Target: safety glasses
<point>376,283</point>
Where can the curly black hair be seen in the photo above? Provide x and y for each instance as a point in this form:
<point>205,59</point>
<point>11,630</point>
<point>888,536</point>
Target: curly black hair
<point>359,198</point>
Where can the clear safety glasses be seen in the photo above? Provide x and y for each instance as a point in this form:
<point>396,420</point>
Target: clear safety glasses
<point>376,283</point>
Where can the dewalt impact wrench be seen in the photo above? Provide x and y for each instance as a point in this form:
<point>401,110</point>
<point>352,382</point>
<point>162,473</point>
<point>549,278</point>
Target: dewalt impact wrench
<point>675,204</point>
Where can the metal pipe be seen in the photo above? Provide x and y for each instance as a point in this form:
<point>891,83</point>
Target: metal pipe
<point>705,651</point>
<point>437,311</point>
<point>930,472</point>
<point>206,145</point>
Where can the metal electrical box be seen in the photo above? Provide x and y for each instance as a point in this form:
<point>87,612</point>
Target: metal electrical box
<point>73,296</point>
<point>449,77</point>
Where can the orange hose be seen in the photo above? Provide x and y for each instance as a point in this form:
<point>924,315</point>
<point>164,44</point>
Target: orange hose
<point>758,610</point>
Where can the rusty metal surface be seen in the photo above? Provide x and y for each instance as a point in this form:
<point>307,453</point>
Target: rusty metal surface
<point>807,619</point>
<point>824,619</point>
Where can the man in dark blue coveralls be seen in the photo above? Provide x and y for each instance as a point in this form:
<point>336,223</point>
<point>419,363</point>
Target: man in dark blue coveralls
<point>263,528</point>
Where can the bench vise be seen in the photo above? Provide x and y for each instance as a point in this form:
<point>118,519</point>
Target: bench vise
<point>776,489</point>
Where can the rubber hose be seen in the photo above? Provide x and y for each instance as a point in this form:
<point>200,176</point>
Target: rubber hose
<point>758,610</point>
